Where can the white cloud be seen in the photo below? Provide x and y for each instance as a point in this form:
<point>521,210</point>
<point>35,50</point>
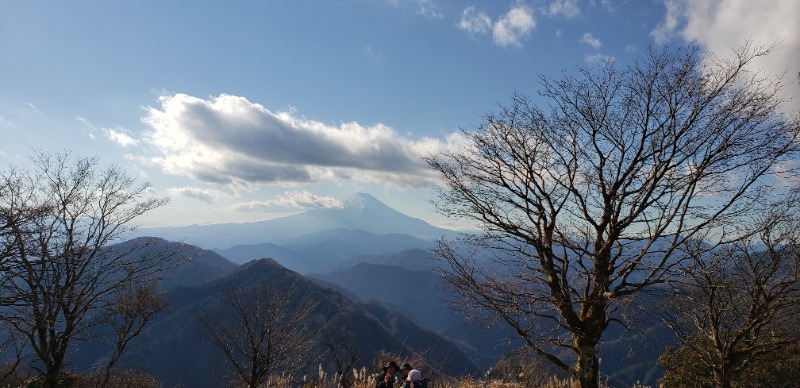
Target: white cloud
<point>204,195</point>
<point>514,26</point>
<point>608,5</point>
<point>664,30</point>
<point>509,30</point>
<point>475,23</point>
<point>6,122</point>
<point>599,58</point>
<point>720,25</point>
<point>587,38</point>
<point>375,55</point>
<point>428,9</point>
<point>120,136</point>
<point>228,140</point>
<point>566,8</point>
<point>291,200</point>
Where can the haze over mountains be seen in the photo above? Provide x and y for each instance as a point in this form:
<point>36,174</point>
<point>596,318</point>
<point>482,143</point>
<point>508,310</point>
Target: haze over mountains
<point>361,211</point>
<point>369,266</point>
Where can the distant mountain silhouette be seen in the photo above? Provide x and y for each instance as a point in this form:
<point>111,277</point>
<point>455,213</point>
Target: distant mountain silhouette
<point>199,266</point>
<point>361,211</point>
<point>420,294</point>
<point>173,349</point>
<point>414,259</point>
<point>325,250</point>
<point>186,264</point>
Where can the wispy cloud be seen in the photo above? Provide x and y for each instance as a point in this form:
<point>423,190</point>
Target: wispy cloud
<point>566,8</point>
<point>6,122</point>
<point>203,195</point>
<point>608,5</point>
<point>599,58</point>
<point>666,29</point>
<point>290,200</point>
<point>587,38</point>
<point>375,55</point>
<point>475,22</point>
<point>427,8</point>
<point>120,136</point>
<point>510,30</point>
<point>228,140</point>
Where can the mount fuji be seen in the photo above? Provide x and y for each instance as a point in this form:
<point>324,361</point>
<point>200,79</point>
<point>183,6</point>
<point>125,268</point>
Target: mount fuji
<point>361,211</point>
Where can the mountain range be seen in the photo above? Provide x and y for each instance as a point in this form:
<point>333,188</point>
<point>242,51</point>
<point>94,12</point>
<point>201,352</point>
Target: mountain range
<point>370,268</point>
<point>360,211</point>
<point>173,349</point>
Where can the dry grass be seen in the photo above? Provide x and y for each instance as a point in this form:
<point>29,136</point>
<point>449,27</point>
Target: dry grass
<point>365,380</point>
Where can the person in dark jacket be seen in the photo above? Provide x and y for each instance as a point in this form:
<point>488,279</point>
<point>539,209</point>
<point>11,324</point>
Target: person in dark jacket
<point>389,378</point>
<point>405,369</point>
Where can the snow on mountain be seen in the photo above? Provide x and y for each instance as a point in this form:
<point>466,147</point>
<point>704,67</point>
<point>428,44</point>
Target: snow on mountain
<point>360,211</point>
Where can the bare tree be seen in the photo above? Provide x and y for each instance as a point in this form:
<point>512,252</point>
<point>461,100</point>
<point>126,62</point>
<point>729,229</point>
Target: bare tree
<point>265,332</point>
<point>739,306</point>
<point>135,304</point>
<point>345,354</point>
<point>589,201</point>
<point>61,272</point>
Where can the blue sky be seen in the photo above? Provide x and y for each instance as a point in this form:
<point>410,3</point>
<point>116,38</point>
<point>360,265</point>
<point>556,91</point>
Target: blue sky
<point>248,110</point>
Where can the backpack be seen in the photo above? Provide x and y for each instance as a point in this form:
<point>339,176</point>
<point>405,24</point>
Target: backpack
<point>420,383</point>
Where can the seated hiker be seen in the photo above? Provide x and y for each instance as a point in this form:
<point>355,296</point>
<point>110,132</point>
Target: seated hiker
<point>389,378</point>
<point>415,380</point>
<point>405,369</point>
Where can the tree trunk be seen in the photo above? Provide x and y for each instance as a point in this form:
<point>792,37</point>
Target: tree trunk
<point>51,376</point>
<point>587,369</point>
<point>722,377</point>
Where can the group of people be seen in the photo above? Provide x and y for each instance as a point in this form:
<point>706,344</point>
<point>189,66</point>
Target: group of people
<point>395,376</point>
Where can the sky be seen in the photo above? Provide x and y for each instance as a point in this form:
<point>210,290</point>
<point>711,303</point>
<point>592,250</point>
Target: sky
<point>250,110</point>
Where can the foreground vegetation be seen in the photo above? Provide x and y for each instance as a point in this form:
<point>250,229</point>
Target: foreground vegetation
<point>133,379</point>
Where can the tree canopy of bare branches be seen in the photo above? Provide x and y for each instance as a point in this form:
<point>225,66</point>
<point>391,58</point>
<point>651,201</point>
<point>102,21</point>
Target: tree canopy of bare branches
<point>60,272</point>
<point>264,331</point>
<point>739,306</point>
<point>589,197</point>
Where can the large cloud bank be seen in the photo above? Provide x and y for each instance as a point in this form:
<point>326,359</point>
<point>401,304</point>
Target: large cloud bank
<point>228,140</point>
<point>721,25</point>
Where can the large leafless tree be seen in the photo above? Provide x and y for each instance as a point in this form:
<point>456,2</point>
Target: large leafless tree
<point>265,329</point>
<point>61,271</point>
<point>588,195</point>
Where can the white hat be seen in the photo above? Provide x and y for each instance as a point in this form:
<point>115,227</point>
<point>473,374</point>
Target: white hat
<point>414,375</point>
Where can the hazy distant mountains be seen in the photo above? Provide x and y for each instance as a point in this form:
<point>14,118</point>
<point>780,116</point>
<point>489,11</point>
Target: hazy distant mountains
<point>327,250</point>
<point>361,211</point>
<point>421,295</point>
<point>374,279</point>
<point>173,349</point>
